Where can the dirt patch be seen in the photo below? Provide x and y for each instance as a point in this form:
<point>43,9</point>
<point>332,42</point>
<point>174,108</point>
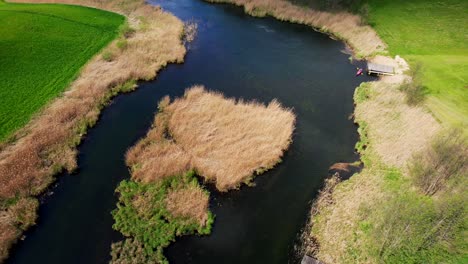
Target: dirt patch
<point>224,140</point>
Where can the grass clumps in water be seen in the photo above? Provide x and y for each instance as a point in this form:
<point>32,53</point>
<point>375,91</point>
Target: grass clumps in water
<point>145,214</point>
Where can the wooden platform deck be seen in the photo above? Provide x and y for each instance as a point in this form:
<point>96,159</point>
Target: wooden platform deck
<point>379,69</point>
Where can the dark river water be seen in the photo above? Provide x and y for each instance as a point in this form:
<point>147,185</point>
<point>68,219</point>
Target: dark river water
<point>243,57</point>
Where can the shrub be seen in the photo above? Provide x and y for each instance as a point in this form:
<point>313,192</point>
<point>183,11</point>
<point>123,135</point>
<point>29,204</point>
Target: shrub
<point>122,44</point>
<point>414,89</point>
<point>362,93</point>
<point>443,164</point>
<point>413,228</point>
<point>107,56</point>
<point>143,216</point>
<point>126,31</point>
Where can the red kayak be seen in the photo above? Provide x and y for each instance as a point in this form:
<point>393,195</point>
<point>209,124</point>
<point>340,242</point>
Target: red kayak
<point>359,72</point>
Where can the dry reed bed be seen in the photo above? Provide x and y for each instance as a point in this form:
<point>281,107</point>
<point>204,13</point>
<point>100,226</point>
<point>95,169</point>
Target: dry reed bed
<point>397,131</point>
<point>190,202</point>
<point>224,140</point>
<point>343,25</point>
<point>48,143</point>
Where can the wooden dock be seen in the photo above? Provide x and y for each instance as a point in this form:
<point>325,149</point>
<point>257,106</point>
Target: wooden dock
<point>379,69</point>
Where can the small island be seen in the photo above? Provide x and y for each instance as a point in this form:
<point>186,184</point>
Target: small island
<point>223,140</point>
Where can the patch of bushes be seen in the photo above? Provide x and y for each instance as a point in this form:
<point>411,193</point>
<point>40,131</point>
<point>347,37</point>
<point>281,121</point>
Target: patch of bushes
<point>413,228</point>
<point>362,93</point>
<point>414,89</point>
<point>426,226</point>
<point>142,216</point>
<point>108,56</point>
<point>126,30</point>
<point>122,43</point>
<point>443,165</point>
<point>414,92</point>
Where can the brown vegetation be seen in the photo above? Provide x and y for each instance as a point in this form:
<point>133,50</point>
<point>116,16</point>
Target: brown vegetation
<point>310,245</point>
<point>224,140</point>
<point>47,145</point>
<point>343,25</point>
<point>190,202</point>
<point>396,129</point>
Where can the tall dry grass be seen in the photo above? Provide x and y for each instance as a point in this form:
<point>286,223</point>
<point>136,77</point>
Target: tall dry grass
<point>346,26</point>
<point>397,130</point>
<point>190,202</point>
<point>226,141</point>
<point>47,145</point>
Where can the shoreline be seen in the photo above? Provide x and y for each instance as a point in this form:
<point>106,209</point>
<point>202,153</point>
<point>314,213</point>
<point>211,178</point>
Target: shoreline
<point>329,216</point>
<point>362,40</point>
<point>47,145</point>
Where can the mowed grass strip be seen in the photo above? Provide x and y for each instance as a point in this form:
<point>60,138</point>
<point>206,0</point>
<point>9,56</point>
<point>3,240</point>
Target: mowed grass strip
<point>433,34</point>
<point>43,47</point>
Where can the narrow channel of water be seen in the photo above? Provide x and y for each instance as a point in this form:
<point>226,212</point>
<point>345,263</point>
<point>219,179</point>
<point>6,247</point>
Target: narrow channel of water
<point>243,57</point>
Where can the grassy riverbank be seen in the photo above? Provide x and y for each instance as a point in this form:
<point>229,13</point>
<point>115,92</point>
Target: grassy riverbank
<point>225,141</point>
<point>47,144</point>
<point>44,47</point>
<point>397,210</point>
<point>434,36</point>
<point>408,205</point>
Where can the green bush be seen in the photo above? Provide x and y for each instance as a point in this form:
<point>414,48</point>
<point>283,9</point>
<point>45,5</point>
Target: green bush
<point>122,44</point>
<point>148,221</point>
<point>126,30</point>
<point>413,228</point>
<point>414,89</point>
<point>107,56</point>
<point>362,92</point>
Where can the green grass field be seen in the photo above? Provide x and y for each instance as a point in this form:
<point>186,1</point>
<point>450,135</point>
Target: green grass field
<point>43,47</point>
<point>435,35</point>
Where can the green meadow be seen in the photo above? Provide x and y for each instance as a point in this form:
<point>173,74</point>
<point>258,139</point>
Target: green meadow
<point>43,47</point>
<point>433,34</point>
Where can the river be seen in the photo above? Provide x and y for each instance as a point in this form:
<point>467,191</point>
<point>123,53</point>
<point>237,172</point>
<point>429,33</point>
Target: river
<point>243,57</point>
